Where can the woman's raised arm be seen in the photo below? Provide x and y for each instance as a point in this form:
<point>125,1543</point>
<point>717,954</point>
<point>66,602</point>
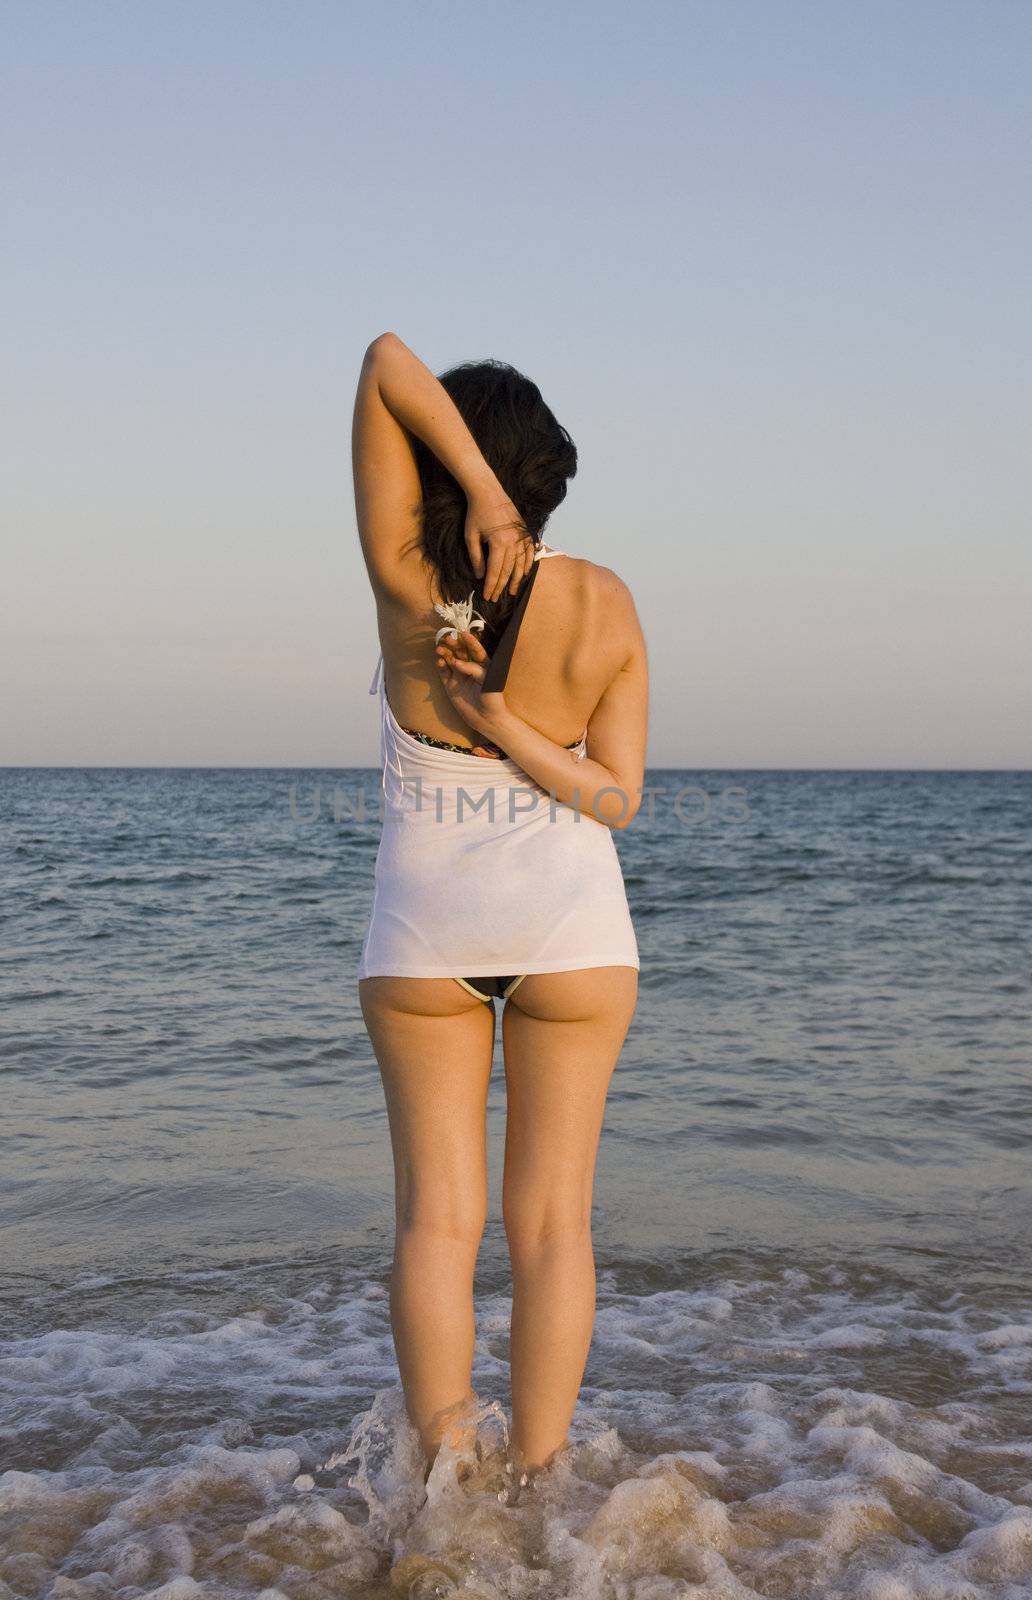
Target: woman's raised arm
<point>398,397</point>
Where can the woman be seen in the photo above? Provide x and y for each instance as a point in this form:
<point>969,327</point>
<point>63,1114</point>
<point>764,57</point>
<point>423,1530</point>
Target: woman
<point>505,771</point>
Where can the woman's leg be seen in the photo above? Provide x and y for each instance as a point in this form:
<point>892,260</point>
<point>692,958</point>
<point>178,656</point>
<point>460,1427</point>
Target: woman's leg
<point>433,1044</point>
<point>562,1034</point>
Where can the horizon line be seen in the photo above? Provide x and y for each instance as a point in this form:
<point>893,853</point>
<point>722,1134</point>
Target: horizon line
<point>74,766</point>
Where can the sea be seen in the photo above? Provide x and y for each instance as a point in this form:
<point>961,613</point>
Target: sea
<point>811,1367</point>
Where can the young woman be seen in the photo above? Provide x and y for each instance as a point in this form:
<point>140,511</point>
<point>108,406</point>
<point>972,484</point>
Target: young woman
<point>505,771</point>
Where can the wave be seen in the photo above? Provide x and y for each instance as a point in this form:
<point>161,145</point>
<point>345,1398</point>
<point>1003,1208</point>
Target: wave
<point>791,1433</point>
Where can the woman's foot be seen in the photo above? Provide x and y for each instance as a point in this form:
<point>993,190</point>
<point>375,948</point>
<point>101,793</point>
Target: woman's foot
<point>517,1482</point>
<point>457,1425</point>
<point>521,1477</point>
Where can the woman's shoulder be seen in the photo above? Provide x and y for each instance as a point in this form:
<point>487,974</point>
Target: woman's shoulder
<point>595,605</point>
<point>600,584</point>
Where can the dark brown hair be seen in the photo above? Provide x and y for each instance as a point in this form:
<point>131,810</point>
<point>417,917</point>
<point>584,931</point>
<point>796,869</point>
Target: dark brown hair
<point>530,453</point>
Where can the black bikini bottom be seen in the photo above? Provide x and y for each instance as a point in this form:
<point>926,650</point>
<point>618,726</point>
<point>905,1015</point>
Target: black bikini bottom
<point>489,989</point>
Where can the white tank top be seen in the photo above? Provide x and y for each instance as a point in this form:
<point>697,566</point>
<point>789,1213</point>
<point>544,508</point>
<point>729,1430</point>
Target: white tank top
<point>480,870</point>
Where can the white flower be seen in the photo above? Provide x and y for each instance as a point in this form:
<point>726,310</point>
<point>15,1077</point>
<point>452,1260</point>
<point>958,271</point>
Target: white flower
<point>460,617</point>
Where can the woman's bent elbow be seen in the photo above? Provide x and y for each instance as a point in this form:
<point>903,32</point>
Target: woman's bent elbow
<point>617,807</point>
<point>382,343</point>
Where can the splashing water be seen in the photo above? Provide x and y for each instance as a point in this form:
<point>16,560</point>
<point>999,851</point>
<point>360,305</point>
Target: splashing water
<point>789,1434</point>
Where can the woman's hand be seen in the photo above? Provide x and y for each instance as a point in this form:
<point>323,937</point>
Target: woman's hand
<point>492,519</point>
<point>462,663</point>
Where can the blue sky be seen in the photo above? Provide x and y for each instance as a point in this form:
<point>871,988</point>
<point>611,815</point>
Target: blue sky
<point>768,263</point>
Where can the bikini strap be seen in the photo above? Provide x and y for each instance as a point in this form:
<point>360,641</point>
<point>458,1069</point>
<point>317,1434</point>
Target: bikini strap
<point>501,656</point>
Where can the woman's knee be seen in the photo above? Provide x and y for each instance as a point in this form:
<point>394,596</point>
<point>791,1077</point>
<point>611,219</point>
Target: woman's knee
<point>540,1223</point>
<point>452,1216</point>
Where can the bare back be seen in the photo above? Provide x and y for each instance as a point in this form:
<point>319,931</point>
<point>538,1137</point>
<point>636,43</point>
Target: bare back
<point>579,631</point>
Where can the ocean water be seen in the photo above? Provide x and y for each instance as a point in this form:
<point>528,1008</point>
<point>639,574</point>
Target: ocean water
<point>811,1373</point>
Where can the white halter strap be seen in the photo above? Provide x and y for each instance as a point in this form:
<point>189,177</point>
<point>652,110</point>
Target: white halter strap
<point>390,760</point>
